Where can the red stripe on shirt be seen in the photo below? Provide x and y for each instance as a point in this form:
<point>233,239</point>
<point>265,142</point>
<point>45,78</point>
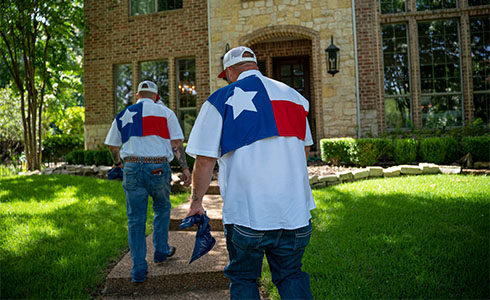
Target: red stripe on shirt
<point>153,125</point>
<point>290,118</point>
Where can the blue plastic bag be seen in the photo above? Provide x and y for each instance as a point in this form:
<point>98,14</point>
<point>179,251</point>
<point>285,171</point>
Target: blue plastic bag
<point>115,173</point>
<point>204,240</point>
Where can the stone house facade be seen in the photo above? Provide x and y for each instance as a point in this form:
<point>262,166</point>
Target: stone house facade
<point>390,62</point>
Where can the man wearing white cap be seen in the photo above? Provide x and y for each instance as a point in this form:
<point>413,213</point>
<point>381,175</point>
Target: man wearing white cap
<point>146,137</point>
<point>257,130</point>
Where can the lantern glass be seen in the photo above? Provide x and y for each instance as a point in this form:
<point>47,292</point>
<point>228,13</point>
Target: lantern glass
<point>333,58</point>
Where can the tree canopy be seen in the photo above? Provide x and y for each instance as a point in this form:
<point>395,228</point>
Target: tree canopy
<point>40,55</point>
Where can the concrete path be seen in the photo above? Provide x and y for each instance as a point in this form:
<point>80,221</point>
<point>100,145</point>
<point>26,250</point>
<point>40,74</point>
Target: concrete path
<point>176,278</point>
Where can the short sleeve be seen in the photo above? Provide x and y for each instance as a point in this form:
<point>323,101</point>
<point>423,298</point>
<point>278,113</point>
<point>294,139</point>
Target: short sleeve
<point>113,137</point>
<point>205,136</point>
<point>174,127</point>
<point>308,137</point>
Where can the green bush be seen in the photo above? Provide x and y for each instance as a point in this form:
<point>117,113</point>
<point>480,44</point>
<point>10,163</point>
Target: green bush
<point>438,150</point>
<point>405,150</point>
<point>374,150</point>
<point>478,146</point>
<point>55,147</point>
<point>102,158</point>
<point>75,157</point>
<point>89,157</point>
<point>338,150</point>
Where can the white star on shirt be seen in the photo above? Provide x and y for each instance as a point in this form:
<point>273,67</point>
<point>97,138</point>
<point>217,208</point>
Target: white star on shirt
<point>127,117</point>
<point>241,101</point>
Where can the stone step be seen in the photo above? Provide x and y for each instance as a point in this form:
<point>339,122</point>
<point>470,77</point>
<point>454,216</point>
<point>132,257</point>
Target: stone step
<point>215,294</point>
<point>213,206</point>
<point>213,188</point>
<point>176,274</point>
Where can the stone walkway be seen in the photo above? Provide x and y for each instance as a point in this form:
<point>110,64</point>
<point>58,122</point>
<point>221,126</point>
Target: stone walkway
<point>176,278</point>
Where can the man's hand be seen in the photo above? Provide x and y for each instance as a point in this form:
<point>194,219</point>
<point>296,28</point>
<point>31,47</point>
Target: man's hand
<point>186,177</point>
<point>195,207</point>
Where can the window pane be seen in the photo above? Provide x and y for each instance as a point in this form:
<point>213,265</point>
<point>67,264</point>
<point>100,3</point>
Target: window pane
<point>396,75</point>
<point>397,112</point>
<point>480,52</point>
<point>395,59</point>
<point>123,86</point>
<point>141,7</point>
<point>435,4</point>
<point>482,107</point>
<point>478,2</point>
<point>156,71</point>
<point>186,94</point>
<point>187,118</point>
<point>392,6</point>
<point>169,4</point>
<point>439,56</point>
<point>441,111</point>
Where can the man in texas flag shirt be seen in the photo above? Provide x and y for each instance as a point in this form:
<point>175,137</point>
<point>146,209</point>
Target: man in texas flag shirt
<point>257,130</point>
<point>146,136</point>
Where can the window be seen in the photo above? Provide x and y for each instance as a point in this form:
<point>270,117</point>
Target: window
<point>141,7</point>
<point>156,71</point>
<point>123,86</point>
<point>478,2</point>
<point>440,73</point>
<point>480,53</point>
<point>186,94</point>
<point>392,6</point>
<point>396,75</point>
<point>435,4</point>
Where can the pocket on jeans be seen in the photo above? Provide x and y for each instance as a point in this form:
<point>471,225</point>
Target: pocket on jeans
<point>302,236</point>
<point>246,238</point>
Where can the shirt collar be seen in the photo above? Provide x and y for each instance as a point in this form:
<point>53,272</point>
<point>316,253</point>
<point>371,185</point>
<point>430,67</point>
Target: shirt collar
<point>248,73</point>
<point>145,100</point>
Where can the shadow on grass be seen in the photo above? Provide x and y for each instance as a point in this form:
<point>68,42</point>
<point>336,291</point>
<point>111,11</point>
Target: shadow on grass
<point>397,245</point>
<point>62,250</point>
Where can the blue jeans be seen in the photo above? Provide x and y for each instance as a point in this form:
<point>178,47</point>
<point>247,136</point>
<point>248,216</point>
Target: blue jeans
<point>284,250</point>
<point>138,183</point>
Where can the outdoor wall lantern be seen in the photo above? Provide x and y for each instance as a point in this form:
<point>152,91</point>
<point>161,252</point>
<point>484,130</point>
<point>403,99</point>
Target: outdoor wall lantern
<point>333,58</point>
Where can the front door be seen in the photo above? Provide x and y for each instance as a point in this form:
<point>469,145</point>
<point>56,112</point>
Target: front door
<point>295,72</point>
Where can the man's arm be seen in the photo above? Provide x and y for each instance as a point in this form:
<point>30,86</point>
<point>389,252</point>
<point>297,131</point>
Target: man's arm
<point>201,177</point>
<point>307,152</point>
<point>116,158</point>
<point>179,153</point>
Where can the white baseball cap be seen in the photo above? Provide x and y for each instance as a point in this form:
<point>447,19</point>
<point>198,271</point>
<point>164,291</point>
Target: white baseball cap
<point>235,56</point>
<point>151,87</point>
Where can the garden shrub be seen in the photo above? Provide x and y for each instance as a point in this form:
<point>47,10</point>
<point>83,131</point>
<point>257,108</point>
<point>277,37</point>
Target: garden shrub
<point>55,147</point>
<point>438,150</point>
<point>75,157</point>
<point>89,157</point>
<point>478,146</point>
<point>373,150</point>
<point>102,158</point>
<point>338,150</point>
<point>405,150</point>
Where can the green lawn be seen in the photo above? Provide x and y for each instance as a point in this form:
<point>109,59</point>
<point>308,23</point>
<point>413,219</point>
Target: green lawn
<point>59,234</point>
<point>407,237</point>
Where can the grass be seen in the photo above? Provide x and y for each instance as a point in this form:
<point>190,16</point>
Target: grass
<point>60,233</point>
<point>407,237</point>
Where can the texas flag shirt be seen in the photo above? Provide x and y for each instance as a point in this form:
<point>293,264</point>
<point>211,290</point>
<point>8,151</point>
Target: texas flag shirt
<point>145,129</point>
<point>257,128</point>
